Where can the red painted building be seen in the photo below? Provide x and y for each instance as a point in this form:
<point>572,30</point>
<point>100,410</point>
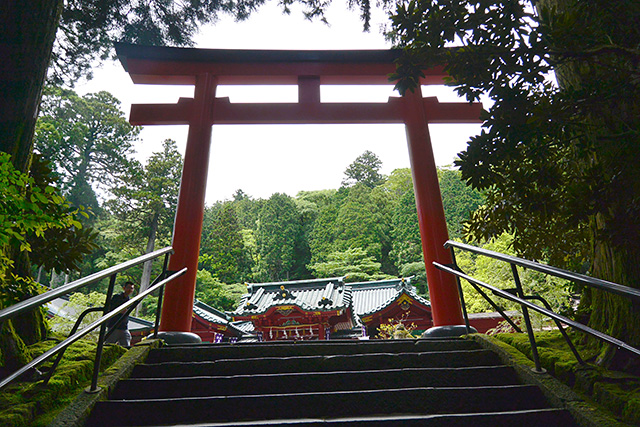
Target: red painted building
<point>387,301</point>
<point>211,324</point>
<point>311,309</point>
<point>299,310</point>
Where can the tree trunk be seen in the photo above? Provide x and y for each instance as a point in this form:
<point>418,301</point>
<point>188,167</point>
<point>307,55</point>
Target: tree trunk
<point>612,259</point>
<point>39,277</point>
<point>146,271</point>
<point>609,313</point>
<point>28,31</point>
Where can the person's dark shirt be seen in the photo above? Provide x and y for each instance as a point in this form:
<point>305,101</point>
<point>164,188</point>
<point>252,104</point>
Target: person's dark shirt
<point>118,299</point>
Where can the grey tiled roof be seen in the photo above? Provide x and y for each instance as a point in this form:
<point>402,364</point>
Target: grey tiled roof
<point>213,315</point>
<point>364,298</point>
<point>209,313</point>
<point>371,297</point>
<point>244,326</point>
<point>310,295</point>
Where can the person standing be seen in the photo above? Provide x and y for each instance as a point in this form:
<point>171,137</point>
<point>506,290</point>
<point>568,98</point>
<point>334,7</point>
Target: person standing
<point>120,330</point>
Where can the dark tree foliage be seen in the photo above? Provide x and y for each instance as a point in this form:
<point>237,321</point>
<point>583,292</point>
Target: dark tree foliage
<point>323,234</point>
<point>59,248</point>
<point>89,28</point>
<point>279,231</point>
<point>146,198</point>
<point>246,209</point>
<point>364,170</point>
<point>222,250</point>
<point>363,221</point>
<point>87,139</point>
<point>459,200</point>
<point>558,162</point>
<point>407,245</point>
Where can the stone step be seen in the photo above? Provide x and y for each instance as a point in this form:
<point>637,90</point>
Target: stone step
<point>551,417</point>
<point>209,352</point>
<point>354,362</point>
<point>417,401</point>
<point>158,388</point>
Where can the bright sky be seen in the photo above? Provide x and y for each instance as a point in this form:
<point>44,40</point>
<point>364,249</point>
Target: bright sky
<point>265,159</point>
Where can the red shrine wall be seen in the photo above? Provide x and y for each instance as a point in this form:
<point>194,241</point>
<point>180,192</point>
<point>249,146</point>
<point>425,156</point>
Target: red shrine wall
<point>207,330</point>
<point>291,322</point>
<point>404,309</point>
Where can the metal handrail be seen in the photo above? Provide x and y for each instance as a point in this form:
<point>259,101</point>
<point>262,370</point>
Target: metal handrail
<point>506,295</point>
<point>604,285</point>
<point>521,299</point>
<point>44,298</point>
<point>99,322</point>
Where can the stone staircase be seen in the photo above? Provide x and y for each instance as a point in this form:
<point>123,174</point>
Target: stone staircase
<point>451,382</point>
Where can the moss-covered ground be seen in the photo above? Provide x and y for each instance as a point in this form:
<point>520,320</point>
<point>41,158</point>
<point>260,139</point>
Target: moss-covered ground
<point>34,403</point>
<point>617,392</point>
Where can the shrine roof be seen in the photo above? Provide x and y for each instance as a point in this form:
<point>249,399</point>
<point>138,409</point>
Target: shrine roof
<point>310,295</point>
<point>371,297</point>
<point>213,315</point>
<point>245,326</point>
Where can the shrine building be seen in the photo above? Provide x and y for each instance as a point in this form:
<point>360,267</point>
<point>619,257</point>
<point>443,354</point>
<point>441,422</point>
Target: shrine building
<point>375,303</point>
<point>211,324</point>
<point>298,310</point>
<point>330,308</point>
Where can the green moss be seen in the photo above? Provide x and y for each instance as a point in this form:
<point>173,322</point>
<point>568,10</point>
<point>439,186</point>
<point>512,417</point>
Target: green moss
<point>565,372</point>
<point>31,326</point>
<point>549,357</point>
<point>618,392</point>
<point>23,403</point>
<point>620,399</point>
<point>610,393</point>
<point>14,353</point>
<point>586,377</point>
<point>505,346</point>
<point>631,411</point>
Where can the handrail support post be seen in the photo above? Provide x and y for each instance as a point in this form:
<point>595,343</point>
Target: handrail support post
<point>462,303</point>
<point>103,328</point>
<point>160,296</point>
<point>525,313</point>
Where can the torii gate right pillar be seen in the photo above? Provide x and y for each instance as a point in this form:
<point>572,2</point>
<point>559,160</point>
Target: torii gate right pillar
<point>443,289</point>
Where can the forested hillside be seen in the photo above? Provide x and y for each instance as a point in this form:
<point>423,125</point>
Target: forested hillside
<point>367,229</point>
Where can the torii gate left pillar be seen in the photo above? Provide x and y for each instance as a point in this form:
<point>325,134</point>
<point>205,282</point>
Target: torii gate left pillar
<point>189,216</point>
<point>308,70</point>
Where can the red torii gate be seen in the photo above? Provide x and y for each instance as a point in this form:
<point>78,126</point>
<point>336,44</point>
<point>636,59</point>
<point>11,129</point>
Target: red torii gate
<point>208,68</point>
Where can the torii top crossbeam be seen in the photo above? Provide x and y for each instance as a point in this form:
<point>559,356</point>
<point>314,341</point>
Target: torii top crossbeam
<point>177,66</point>
<point>208,68</point>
